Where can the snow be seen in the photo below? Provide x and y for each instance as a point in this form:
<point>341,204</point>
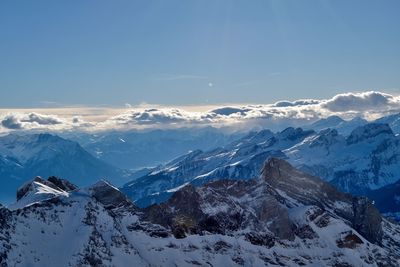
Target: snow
<point>76,226</point>
<point>37,193</point>
<point>366,161</point>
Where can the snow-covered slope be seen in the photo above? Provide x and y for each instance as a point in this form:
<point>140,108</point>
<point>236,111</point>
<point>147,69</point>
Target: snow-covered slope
<point>392,120</point>
<point>367,159</point>
<point>344,127</point>
<point>25,156</point>
<point>240,160</point>
<point>283,218</point>
<point>137,149</point>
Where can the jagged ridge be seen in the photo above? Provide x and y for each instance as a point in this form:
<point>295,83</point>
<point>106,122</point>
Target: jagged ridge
<point>285,217</point>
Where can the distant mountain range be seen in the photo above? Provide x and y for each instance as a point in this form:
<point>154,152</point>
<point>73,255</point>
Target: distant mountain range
<point>23,157</point>
<point>138,149</point>
<point>283,217</point>
<point>345,127</point>
<point>365,160</point>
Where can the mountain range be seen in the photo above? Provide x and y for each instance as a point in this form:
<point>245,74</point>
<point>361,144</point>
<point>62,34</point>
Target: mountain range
<point>364,161</point>
<point>24,156</point>
<point>138,149</point>
<point>283,217</point>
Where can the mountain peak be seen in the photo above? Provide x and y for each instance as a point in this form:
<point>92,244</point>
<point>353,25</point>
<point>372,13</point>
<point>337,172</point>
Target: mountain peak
<point>282,176</point>
<point>273,166</point>
<point>62,183</point>
<point>107,194</point>
<point>327,122</point>
<point>31,186</point>
<point>35,191</point>
<point>326,137</point>
<point>292,134</point>
<point>368,131</point>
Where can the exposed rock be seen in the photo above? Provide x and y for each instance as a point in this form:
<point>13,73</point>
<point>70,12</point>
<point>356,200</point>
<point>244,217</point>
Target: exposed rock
<point>322,221</point>
<point>367,219</point>
<point>29,186</point>
<point>62,184</point>
<point>260,239</point>
<point>350,240</point>
<point>310,190</point>
<point>306,232</point>
<point>108,195</point>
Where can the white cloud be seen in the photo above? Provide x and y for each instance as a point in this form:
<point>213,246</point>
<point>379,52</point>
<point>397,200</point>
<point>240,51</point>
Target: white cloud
<point>366,101</point>
<point>155,116</point>
<point>37,121</point>
<point>275,116</point>
<point>301,102</point>
<point>28,121</point>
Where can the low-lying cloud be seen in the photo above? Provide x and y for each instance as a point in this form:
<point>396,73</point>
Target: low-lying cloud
<point>30,120</point>
<point>36,121</point>
<point>361,102</point>
<point>368,105</point>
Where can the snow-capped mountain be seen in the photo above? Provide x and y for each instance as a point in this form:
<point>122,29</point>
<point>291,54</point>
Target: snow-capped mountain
<point>392,120</point>
<point>284,217</point>
<point>137,149</point>
<point>242,159</point>
<point>24,156</point>
<point>344,127</point>
<point>367,159</point>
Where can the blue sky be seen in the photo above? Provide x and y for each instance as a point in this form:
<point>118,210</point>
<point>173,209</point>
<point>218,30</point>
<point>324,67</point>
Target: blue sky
<point>194,52</point>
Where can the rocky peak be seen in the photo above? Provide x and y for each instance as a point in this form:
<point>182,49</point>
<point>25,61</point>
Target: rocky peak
<point>62,184</point>
<point>30,186</point>
<point>368,131</point>
<point>326,138</point>
<point>108,195</point>
<point>304,188</point>
<point>261,136</point>
<point>327,122</point>
<point>292,134</point>
<point>311,190</point>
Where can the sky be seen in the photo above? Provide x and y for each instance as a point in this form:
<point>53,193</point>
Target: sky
<point>198,52</point>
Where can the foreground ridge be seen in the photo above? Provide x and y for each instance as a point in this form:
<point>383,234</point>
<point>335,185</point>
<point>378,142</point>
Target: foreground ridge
<point>285,217</point>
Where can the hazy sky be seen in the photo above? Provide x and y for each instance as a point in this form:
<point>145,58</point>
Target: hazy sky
<point>194,52</point>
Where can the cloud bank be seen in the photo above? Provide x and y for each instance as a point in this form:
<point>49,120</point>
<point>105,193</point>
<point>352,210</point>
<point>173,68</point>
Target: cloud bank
<point>368,105</point>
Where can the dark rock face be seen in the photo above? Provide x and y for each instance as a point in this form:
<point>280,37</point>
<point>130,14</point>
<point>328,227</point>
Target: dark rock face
<point>306,232</point>
<point>23,190</point>
<point>367,220</point>
<point>217,208</point>
<point>260,239</point>
<point>305,188</point>
<point>154,230</point>
<point>310,190</point>
<point>108,195</point>
<point>63,184</point>
<point>350,240</point>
